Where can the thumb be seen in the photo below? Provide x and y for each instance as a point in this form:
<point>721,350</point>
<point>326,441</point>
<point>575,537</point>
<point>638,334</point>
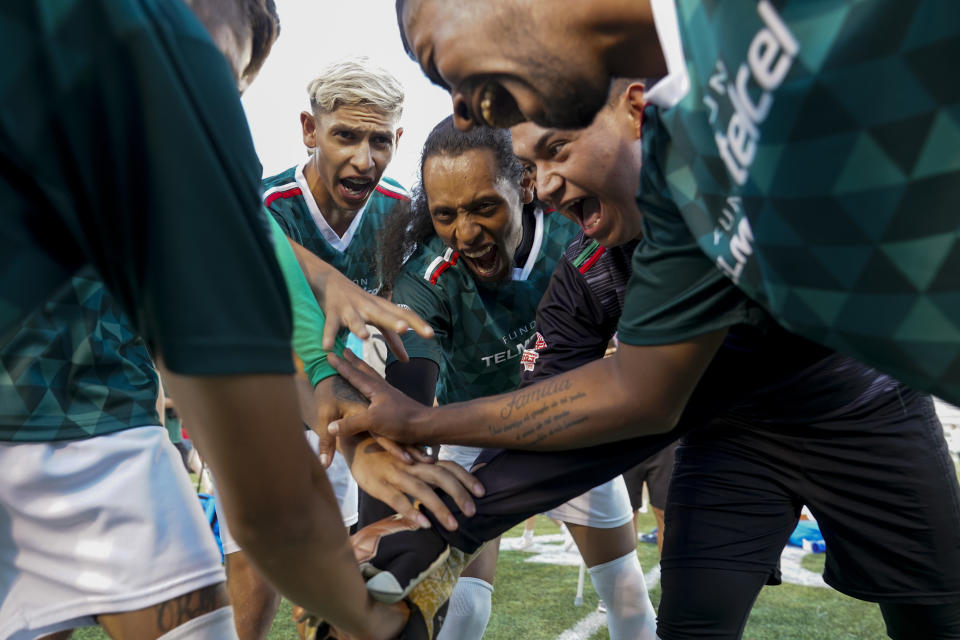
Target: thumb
<point>350,425</point>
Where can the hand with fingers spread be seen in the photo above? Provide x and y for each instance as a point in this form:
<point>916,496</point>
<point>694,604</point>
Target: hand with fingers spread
<point>347,305</point>
<point>391,413</point>
<point>400,484</point>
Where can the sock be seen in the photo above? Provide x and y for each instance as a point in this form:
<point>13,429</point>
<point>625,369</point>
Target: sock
<point>216,625</point>
<point>469,610</point>
<point>620,585</point>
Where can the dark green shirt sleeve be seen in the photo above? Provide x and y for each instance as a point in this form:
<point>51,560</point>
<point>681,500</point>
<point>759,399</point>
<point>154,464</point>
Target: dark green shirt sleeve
<point>126,119</point>
<point>675,292</point>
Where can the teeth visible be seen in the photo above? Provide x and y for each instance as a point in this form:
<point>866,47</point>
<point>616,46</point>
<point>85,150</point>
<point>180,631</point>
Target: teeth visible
<point>479,253</point>
<point>486,105</point>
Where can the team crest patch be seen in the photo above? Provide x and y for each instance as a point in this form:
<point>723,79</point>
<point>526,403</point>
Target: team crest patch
<point>529,359</point>
<point>541,343</point>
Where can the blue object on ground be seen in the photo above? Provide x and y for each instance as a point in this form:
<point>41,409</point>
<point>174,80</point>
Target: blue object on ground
<point>807,535</point>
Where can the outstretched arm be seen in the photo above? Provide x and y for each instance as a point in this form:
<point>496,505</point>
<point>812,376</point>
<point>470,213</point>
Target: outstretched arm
<point>290,525</point>
<point>639,391</point>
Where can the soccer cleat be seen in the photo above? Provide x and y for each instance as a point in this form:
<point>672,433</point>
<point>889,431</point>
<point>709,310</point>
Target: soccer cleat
<point>650,538</point>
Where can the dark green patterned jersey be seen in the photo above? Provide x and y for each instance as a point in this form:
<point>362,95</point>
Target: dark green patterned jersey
<point>123,146</point>
<point>480,327</point>
<point>815,156</point>
<point>355,254</point>
<point>75,369</point>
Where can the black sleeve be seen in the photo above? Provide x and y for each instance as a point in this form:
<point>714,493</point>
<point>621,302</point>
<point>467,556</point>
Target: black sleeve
<point>416,378</point>
<point>572,325</point>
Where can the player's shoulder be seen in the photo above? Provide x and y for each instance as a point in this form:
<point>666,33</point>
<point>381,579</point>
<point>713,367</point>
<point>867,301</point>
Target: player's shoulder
<point>281,186</point>
<point>433,263</point>
<point>390,189</point>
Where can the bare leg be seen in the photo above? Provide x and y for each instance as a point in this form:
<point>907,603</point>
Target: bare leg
<point>598,546</point>
<point>254,600</point>
<point>658,514</point>
<point>154,621</point>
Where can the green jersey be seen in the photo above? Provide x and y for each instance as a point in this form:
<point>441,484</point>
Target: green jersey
<point>480,328</point>
<point>287,196</point>
<point>813,150</point>
<point>76,369</point>
<point>138,190</point>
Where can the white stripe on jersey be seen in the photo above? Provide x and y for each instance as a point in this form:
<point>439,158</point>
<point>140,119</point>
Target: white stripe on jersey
<point>282,187</point>
<point>392,188</point>
<point>436,263</point>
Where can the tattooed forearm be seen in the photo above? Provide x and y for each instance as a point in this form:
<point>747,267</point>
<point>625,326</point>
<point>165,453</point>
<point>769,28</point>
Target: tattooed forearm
<point>545,391</point>
<point>343,390</point>
<point>542,412</point>
<point>173,613</point>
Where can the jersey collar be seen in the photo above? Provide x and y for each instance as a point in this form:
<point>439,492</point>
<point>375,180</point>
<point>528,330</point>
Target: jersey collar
<point>335,241</point>
<point>521,273</point>
<point>671,89</point>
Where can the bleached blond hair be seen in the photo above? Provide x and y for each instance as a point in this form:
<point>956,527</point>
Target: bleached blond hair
<point>356,82</point>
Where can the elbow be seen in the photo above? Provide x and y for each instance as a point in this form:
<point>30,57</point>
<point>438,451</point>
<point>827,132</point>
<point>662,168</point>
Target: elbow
<point>655,417</point>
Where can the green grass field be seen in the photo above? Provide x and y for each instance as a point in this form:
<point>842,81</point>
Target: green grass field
<point>536,601</point>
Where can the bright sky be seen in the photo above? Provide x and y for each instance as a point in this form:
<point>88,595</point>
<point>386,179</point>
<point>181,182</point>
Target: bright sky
<point>312,34</point>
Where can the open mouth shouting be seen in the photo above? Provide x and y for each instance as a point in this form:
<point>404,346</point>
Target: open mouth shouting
<point>485,261</point>
<point>355,188</point>
<point>587,211</point>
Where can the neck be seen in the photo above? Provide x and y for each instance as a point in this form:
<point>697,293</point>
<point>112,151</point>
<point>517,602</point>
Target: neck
<point>337,217</point>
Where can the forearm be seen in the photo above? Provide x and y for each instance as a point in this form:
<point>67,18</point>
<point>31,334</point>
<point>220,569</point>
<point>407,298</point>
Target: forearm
<point>308,317</point>
<point>639,391</point>
<point>289,525</point>
<point>579,408</point>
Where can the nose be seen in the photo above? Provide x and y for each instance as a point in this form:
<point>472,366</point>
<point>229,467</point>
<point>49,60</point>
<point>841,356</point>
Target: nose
<point>463,117</point>
<point>548,185</point>
<point>467,231</point>
<point>362,159</point>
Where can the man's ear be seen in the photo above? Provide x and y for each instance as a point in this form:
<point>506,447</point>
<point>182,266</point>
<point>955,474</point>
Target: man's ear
<point>308,125</point>
<point>634,102</point>
<point>527,187</point>
<point>396,141</point>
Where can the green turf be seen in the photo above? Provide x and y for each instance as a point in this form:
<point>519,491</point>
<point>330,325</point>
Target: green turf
<point>535,601</point>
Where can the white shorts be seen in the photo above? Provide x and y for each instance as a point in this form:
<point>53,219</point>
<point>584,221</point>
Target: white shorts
<point>105,524</point>
<point>606,506</point>
<point>344,487</point>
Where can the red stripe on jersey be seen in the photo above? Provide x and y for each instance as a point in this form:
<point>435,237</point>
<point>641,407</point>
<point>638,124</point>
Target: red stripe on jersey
<point>391,194</point>
<point>289,193</point>
<point>593,260</point>
<point>444,266</point>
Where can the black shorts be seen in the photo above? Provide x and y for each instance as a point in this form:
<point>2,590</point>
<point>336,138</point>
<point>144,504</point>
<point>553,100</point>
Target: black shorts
<point>656,472</point>
<point>880,483</point>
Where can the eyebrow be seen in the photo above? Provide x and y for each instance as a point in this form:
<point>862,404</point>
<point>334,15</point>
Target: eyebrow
<point>476,202</point>
<point>542,140</point>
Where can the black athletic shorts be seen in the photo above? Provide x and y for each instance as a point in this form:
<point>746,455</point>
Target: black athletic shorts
<point>880,483</point>
<point>656,472</point>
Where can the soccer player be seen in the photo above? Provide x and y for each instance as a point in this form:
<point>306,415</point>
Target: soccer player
<point>810,180</point>
<point>775,423</point>
<point>482,253</point>
<point>122,219</point>
<point>333,204</point>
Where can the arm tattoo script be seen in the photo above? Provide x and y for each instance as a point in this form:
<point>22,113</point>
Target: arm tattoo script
<point>548,412</point>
